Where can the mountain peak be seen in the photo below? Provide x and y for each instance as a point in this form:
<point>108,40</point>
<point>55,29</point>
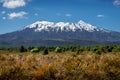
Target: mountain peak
<point>81,22</point>
<point>63,26</point>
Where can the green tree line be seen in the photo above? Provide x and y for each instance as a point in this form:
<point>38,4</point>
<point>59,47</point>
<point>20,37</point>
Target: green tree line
<point>60,49</point>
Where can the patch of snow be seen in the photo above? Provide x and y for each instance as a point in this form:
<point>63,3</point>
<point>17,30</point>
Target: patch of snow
<point>62,26</point>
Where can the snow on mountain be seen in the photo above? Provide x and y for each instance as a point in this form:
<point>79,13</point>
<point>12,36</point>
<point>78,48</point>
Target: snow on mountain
<point>63,26</point>
<point>45,33</point>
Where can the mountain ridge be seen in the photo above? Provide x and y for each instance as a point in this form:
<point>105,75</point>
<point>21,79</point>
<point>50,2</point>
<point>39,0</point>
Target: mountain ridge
<point>51,33</point>
<point>64,26</point>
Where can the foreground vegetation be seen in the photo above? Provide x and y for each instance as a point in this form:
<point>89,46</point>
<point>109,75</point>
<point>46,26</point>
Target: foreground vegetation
<point>60,63</point>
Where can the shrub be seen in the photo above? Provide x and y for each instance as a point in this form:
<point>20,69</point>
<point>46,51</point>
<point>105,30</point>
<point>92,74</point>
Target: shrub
<point>58,50</point>
<point>116,49</point>
<point>35,50</point>
<point>22,49</point>
<point>45,52</point>
<point>98,52</point>
<point>94,48</point>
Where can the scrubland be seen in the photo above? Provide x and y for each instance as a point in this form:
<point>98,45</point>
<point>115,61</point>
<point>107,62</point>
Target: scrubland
<point>67,65</point>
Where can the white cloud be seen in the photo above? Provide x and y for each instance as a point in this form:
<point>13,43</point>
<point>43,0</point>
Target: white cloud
<point>116,2</point>
<point>3,18</point>
<point>17,15</point>
<point>68,15</point>
<point>13,3</point>
<point>36,14</point>
<point>100,16</point>
<point>3,12</point>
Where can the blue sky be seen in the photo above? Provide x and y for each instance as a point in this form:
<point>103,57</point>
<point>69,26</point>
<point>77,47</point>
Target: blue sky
<point>15,14</point>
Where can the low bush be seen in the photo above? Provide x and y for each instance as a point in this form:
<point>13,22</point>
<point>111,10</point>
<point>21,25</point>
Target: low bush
<point>58,50</point>
<point>45,52</point>
<point>35,50</point>
<point>22,49</point>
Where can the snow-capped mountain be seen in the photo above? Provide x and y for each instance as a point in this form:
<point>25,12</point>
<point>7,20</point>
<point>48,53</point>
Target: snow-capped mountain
<point>60,33</point>
<point>62,26</point>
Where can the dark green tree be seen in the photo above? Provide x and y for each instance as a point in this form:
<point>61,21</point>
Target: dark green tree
<point>45,52</point>
<point>22,49</point>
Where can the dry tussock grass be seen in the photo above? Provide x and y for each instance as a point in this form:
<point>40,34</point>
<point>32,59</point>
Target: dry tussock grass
<point>59,66</point>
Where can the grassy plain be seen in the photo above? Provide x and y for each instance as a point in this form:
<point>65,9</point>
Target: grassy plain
<point>68,65</point>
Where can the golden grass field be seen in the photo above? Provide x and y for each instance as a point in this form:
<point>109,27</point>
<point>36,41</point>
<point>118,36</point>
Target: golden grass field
<point>59,66</point>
